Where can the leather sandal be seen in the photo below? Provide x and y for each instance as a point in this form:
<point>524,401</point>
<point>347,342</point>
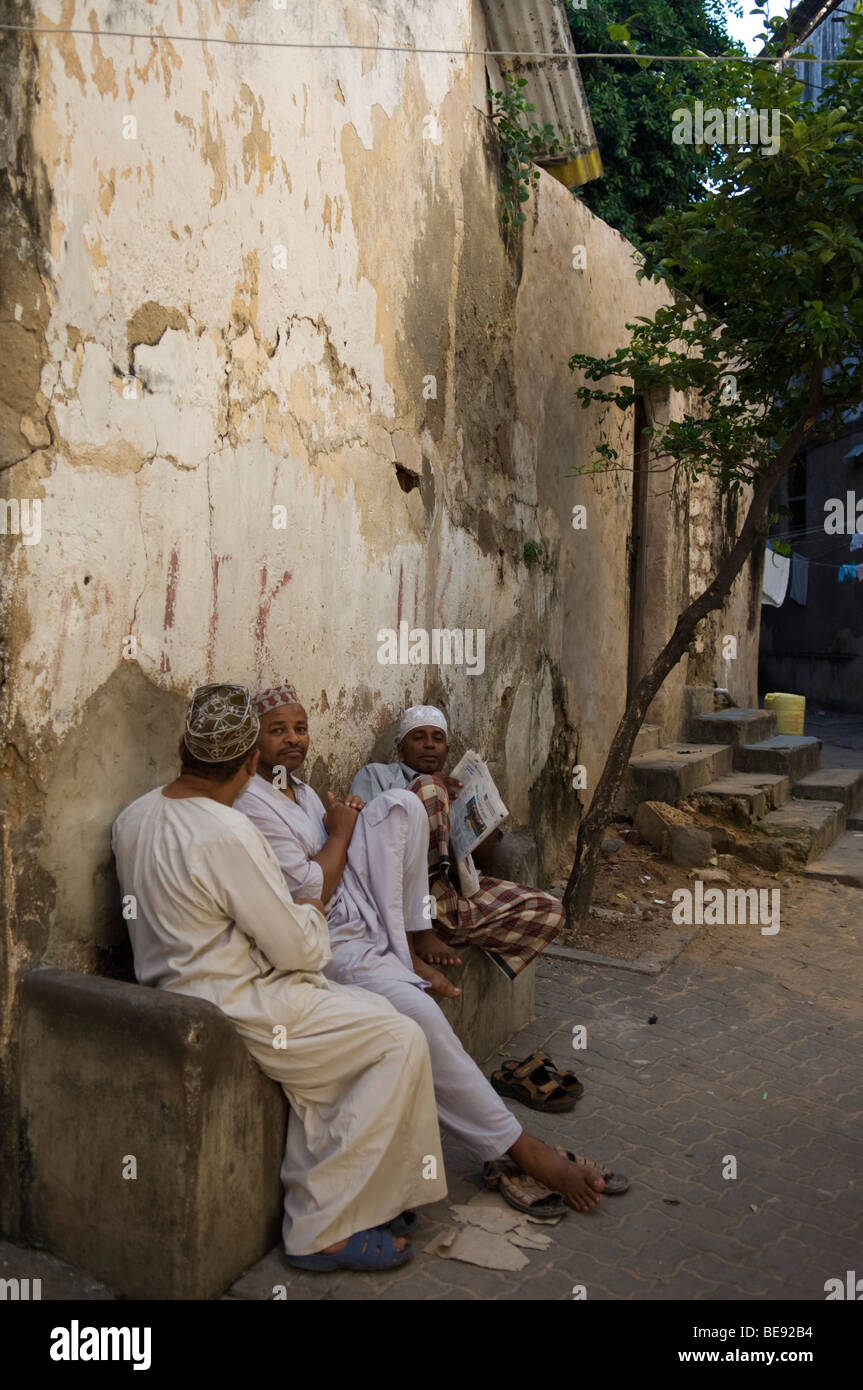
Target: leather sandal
<point>568,1079</point>
<point>535,1085</point>
<point>521,1191</point>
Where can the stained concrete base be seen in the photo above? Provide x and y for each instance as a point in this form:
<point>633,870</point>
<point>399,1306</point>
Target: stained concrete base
<point>758,792</point>
<point>667,774</point>
<point>732,726</point>
<point>843,784</point>
<point>816,824</point>
<point>118,1079</point>
<point>152,1140</point>
<point>790,755</point>
<point>490,1008</point>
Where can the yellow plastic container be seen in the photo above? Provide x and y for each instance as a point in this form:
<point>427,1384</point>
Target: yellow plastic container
<point>790,711</point>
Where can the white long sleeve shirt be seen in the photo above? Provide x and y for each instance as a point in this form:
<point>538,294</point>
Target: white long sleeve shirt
<point>213,916</point>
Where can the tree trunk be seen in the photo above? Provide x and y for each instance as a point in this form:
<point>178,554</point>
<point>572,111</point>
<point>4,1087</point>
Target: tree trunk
<point>579,888</point>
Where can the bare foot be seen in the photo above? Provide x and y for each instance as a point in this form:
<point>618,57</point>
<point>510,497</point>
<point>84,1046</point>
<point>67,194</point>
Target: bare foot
<point>439,983</point>
<point>398,1241</point>
<point>429,947</point>
<point>579,1184</point>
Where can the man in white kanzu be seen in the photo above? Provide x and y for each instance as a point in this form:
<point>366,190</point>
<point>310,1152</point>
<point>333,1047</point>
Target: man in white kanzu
<point>369,866</point>
<point>214,919</point>
<point>511,922</point>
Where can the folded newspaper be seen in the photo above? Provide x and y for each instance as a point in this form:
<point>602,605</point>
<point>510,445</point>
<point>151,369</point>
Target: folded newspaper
<point>474,814</point>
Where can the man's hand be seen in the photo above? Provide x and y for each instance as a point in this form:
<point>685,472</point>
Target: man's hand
<point>340,818</point>
<point>453,786</point>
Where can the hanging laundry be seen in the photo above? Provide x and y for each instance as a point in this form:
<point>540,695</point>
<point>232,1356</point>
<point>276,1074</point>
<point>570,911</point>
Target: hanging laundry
<point>857,541</point>
<point>774,586</point>
<point>800,579</point>
<point>848,573</point>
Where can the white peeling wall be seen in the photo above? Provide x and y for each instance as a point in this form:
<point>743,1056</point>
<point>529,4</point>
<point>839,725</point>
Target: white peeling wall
<point>158,510</point>
<point>272,382</point>
<point>270,277</point>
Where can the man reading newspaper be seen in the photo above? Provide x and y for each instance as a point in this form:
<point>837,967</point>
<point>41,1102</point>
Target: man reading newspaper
<point>511,922</point>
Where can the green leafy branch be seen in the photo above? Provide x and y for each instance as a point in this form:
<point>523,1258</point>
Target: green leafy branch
<point>521,140</point>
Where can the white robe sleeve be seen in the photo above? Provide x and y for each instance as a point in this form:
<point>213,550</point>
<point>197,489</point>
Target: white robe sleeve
<point>244,876</point>
<point>303,876</point>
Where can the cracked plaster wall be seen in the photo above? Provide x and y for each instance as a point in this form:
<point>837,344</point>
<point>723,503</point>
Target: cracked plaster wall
<point>292,377</point>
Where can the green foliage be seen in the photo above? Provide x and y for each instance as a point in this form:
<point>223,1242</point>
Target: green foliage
<point>521,141</point>
<point>532,551</point>
<point>767,275</point>
<point>631,104</point>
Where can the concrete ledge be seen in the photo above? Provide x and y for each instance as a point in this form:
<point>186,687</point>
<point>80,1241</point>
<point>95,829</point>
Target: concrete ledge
<point>732,726</point>
<point>815,824</point>
<point>843,784</point>
<point>648,739</point>
<point>111,1069</point>
<point>789,755</point>
<point>671,773</point>
<point>490,1008</point>
<point>843,861</point>
<point>759,792</point>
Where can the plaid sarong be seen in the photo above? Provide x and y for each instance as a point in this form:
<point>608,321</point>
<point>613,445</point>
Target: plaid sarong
<point>511,922</point>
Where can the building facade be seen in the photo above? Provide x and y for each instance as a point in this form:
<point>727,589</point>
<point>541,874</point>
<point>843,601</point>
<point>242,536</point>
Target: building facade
<point>275,381</point>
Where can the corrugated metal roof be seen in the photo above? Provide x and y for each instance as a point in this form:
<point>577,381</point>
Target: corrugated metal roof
<point>825,42</point>
<point>554,85</point>
<point>807,16</point>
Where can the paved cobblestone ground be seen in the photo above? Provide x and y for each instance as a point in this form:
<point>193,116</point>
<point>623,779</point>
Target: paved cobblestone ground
<point>757,1052</point>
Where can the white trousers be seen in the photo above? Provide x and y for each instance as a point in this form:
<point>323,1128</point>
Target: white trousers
<point>363,1141</point>
<point>387,869</point>
<point>382,891</point>
<point>467,1106</point>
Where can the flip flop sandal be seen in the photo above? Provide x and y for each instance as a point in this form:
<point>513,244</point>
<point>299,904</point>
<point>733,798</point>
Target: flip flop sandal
<point>403,1224</point>
<point>532,1083</point>
<point>523,1192</point>
<point>615,1183</point>
<point>568,1079</point>
<point>380,1253</point>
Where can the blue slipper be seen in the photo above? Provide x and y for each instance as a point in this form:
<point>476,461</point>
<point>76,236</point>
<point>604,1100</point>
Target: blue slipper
<point>379,1254</point>
<point>403,1224</point>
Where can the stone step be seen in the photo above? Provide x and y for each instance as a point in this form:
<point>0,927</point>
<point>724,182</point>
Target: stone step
<point>843,784</point>
<point>814,824</point>
<point>670,773</point>
<point>759,792</point>
<point>648,738</point>
<point>790,755</point>
<point>854,822</point>
<point>697,699</point>
<point>734,726</point>
<point>843,860</point>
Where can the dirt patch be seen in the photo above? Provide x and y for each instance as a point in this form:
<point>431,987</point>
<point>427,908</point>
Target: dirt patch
<point>632,901</point>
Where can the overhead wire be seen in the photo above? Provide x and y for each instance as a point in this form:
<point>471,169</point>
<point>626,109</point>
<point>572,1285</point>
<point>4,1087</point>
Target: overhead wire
<point>320,45</point>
